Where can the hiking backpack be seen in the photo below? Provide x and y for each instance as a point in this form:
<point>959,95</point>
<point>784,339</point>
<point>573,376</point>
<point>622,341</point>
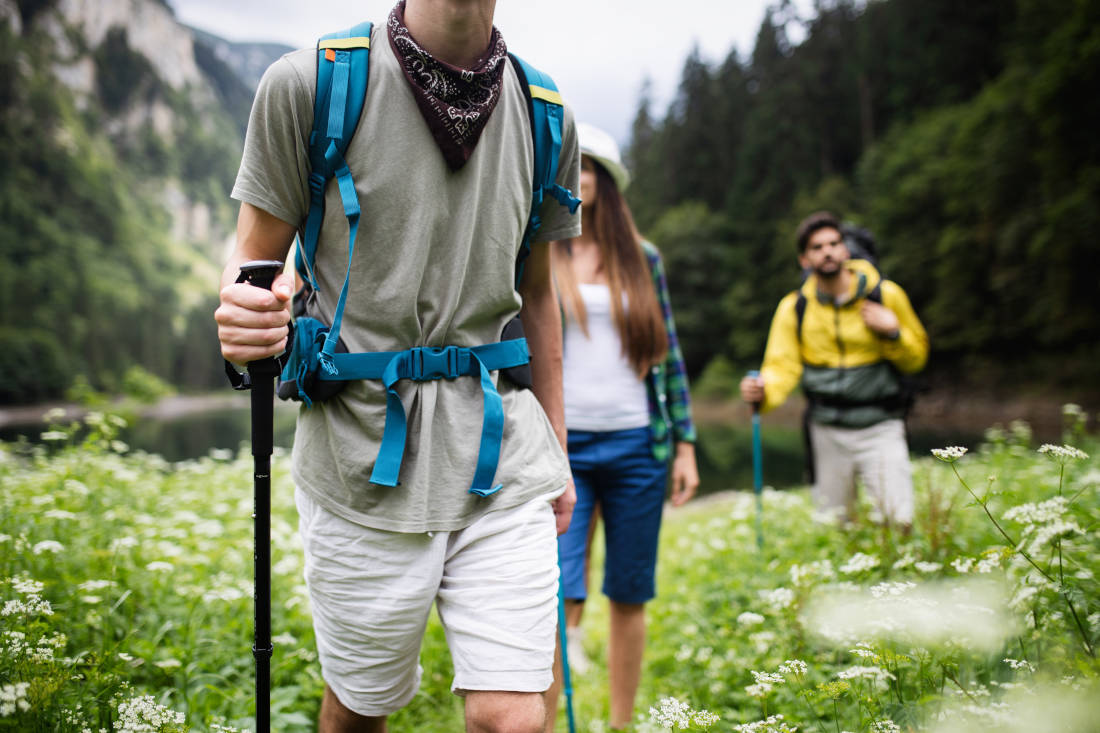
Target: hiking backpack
<point>317,364</point>
<point>861,246</point>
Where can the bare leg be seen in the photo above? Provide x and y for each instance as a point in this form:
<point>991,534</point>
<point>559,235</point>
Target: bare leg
<point>505,712</point>
<point>335,718</point>
<point>624,659</point>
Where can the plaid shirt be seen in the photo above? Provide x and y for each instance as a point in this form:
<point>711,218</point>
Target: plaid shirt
<point>667,383</point>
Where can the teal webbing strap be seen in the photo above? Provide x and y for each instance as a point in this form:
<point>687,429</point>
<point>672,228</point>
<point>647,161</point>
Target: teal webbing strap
<point>426,363</point>
<point>547,119</point>
<point>342,75</point>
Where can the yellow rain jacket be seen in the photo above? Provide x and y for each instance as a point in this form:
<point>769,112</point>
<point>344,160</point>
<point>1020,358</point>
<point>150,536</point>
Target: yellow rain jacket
<point>849,374</point>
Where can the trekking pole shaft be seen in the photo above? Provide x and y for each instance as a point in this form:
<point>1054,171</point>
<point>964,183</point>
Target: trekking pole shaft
<point>262,375</point>
<point>757,468</point>
<point>563,639</point>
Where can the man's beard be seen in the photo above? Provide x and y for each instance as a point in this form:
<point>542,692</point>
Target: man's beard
<point>828,270</point>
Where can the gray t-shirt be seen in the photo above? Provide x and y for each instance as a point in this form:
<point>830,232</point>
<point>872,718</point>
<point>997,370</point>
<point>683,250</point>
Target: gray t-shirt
<point>433,266</point>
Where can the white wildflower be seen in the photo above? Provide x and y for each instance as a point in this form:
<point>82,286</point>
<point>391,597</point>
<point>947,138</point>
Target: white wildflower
<point>905,561</point>
<point>778,598</point>
<point>885,726</point>
<point>949,454</point>
<point>671,713</point>
<point>794,666</point>
<point>14,697</point>
<point>884,590</point>
<point>1018,664</point>
<point>962,564</point>
<point>159,566</point>
<point>927,567</point>
<point>802,574</point>
<point>1063,453</point>
<point>748,618</point>
<point>1042,513</point>
<point>859,563</point>
<point>144,715</point>
<point>48,546</point>
<point>704,718</point>
<point>169,664</point>
<point>123,543</point>
<point>759,691</point>
<point>864,651</point>
<point>870,673</point>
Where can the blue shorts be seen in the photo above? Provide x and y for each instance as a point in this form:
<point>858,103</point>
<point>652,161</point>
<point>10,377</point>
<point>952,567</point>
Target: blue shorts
<point>615,469</point>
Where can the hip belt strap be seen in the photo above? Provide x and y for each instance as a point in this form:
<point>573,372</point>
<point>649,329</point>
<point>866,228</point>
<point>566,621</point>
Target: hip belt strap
<point>422,364</point>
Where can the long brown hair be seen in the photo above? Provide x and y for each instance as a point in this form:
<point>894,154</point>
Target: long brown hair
<point>641,327</point>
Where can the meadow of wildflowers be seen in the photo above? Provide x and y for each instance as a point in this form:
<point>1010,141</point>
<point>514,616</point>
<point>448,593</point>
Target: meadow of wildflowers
<point>125,601</point>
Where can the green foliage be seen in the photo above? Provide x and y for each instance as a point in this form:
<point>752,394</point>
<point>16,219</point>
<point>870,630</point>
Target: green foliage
<point>962,134</point>
<point>92,283</point>
<point>736,630</point>
<point>153,598</point>
<point>719,381</point>
<point>691,240</point>
<point>122,73</point>
<point>143,386</point>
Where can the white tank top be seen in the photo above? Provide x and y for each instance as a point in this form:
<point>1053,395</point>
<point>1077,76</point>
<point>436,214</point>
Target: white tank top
<point>602,392</point>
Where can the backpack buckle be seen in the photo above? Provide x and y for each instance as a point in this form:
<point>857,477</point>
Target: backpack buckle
<point>433,362</point>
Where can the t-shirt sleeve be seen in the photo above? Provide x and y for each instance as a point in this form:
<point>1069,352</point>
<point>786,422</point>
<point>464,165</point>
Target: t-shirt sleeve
<point>557,221</point>
<point>274,172</point>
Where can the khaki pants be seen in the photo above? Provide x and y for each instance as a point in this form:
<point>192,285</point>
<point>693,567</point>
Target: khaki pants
<point>879,455</point>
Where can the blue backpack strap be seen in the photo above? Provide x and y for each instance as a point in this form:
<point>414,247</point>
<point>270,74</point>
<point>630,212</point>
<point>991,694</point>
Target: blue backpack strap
<point>547,113</point>
<point>343,65</point>
<point>424,363</point>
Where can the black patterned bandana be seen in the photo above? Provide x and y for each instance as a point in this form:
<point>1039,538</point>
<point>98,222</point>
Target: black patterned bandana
<point>456,103</point>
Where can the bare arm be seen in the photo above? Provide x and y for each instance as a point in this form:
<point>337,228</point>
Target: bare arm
<point>542,326</point>
<point>252,322</point>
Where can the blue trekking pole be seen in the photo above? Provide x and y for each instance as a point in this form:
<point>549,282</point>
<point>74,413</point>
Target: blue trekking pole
<point>757,467</point>
<point>567,681</point>
<point>260,379</point>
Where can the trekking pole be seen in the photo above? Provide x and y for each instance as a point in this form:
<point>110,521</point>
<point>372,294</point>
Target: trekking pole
<point>757,468</point>
<point>567,681</point>
<point>261,381</point>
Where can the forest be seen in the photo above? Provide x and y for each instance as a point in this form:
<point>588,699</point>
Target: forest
<point>961,134</point>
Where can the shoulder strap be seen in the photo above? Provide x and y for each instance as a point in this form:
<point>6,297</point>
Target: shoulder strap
<point>875,296</point>
<point>799,312</point>
<point>343,65</point>
<point>546,110</point>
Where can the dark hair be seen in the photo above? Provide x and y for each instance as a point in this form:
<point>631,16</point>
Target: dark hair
<point>813,222</point>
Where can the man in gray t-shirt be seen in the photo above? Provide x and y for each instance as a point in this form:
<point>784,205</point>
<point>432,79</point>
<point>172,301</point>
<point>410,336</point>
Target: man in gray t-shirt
<point>444,208</point>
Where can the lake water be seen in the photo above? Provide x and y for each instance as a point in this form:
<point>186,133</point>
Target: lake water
<point>724,451</point>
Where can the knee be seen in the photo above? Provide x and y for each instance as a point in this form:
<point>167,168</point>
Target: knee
<point>505,712</point>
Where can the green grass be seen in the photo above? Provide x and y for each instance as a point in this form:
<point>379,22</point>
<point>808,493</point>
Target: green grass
<point>146,568</point>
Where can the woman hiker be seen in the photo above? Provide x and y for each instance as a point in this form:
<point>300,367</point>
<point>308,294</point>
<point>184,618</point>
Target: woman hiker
<point>627,412</point>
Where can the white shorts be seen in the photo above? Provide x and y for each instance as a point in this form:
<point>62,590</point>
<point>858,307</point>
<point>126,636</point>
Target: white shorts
<point>878,454</point>
<point>494,583</point>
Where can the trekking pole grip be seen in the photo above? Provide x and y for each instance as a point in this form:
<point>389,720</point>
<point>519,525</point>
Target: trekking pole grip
<point>755,374</point>
<point>260,273</point>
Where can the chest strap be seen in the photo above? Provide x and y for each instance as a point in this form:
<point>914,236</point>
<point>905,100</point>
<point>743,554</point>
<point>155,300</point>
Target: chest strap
<point>423,364</point>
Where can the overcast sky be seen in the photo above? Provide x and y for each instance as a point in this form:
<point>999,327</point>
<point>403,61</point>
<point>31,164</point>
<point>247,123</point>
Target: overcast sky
<point>598,51</point>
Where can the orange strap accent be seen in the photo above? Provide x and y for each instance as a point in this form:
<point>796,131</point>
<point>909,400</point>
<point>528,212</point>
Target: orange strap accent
<point>330,54</point>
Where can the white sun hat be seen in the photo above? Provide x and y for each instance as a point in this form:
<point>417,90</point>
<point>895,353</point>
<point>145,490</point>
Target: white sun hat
<point>601,147</point>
